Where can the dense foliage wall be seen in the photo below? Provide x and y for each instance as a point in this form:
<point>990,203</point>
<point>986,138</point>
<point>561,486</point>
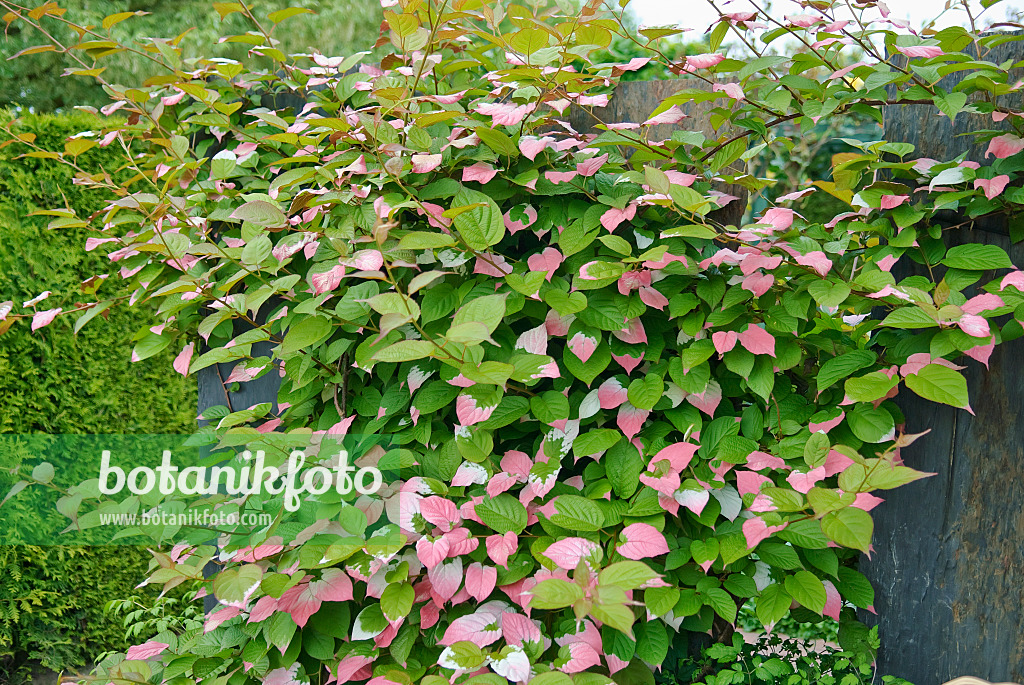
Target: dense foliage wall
<point>338,25</point>
<point>51,598</point>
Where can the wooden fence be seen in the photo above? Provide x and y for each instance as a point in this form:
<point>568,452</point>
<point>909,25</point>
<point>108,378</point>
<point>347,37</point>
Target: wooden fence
<point>948,566</point>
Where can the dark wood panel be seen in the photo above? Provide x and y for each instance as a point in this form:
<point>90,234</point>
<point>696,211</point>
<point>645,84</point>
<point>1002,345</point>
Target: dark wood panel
<point>948,567</point>
<point>633,101</point>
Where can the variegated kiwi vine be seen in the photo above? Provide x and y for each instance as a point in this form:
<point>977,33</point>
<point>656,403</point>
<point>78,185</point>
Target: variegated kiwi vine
<point>614,419</point>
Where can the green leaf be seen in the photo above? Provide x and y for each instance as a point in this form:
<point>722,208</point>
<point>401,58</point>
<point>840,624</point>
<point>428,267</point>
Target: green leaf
<point>261,213</point>
<point>855,587</point>
<point>628,575</point>
<point>488,310</point>
<point>423,240</point>
<point>909,317</point>
<point>941,384</point>
<point>652,642</point>
<point>660,600</point>
<point>829,294</point>
<point>816,449</point>
<point>842,366</point>
<point>807,588</point>
<point>149,345</point>
<point>43,473</point>
<point>951,104</point>
<point>575,513</point>
<point>396,601</point>
<point>624,465</point>
<point>502,514</point>
<point>280,15</point>
<point>618,616</point>
<point>589,370</point>
<point>550,678</point>
<point>554,593</point>
<point>723,604</point>
<point>231,584</point>
<point>869,424</point>
<point>306,333</point>
<point>870,387</point>
<point>977,257</point>
<point>595,441</point>
<point>480,226</point>
<point>404,351</point>
<point>772,605</point>
<point>498,141</point>
<point>279,630</point>
<point>778,555</point>
<point>850,527</point>
<point>645,392</point>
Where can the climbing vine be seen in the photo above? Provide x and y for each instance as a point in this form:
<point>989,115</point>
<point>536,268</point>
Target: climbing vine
<point>612,417</point>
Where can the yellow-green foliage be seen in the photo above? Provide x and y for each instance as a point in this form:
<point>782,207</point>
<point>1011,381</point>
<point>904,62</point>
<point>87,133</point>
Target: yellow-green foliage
<point>52,381</point>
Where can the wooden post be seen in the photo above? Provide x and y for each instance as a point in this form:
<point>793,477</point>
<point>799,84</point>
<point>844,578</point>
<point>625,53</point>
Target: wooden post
<point>948,562</point>
<point>633,102</point>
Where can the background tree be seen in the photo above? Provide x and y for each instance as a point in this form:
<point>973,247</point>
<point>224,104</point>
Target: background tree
<point>338,27</point>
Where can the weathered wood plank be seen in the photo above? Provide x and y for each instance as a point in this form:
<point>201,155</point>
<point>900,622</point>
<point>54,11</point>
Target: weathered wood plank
<point>948,567</point>
<point>633,101</point>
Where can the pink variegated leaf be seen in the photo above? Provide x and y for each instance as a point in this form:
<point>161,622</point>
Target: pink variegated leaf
<point>505,113</point>
<point>634,332</point>
<point>611,394</point>
<point>44,318</point>
<point>803,482</point>
<point>440,511</point>
<point>993,187</point>
<point>779,218</point>
<point>531,146</point>
<point>708,400</point>
<point>724,340</point>
<point>146,650</point>
<point>704,61</point>
<point>628,362</point>
<point>694,499</point>
<point>284,676</point>
<point>432,552</point>
<point>893,201</point>
<point>642,541</point>
<point>511,663</point>
<point>591,166</point>
<point>547,261</point>
<point>583,345</point>
<point>926,51</point>
<point>630,419</point>
<point>334,586</point>
<point>678,455</point>
<point>1005,146</point>
<point>480,580</point>
<point>833,601</point>
<point>422,164</point>
<point>501,547</point>
<point>653,297</point>
<point>982,303</point>
<point>481,629</point>
<point>469,412</point>
<point>581,656</point>
<point>184,359</point>
<point>757,340</point>
<point>518,629</point>
<point>733,90</point>
<point>482,172</point>
<point>534,341</point>
<point>445,579</point>
<point>568,553</point>
<point>613,217</point>
<point>755,530</point>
